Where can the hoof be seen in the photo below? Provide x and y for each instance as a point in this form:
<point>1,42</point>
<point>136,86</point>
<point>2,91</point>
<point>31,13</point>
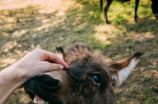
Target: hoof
<point>107,22</point>
<point>136,18</point>
<point>156,16</point>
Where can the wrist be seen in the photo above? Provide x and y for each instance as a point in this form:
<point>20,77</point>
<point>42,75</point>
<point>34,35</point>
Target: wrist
<point>13,76</point>
<point>8,83</point>
<point>8,76</point>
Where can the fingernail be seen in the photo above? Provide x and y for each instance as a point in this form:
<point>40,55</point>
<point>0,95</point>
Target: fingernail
<point>61,67</point>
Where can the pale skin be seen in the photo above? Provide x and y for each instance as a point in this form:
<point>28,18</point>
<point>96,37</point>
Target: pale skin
<point>34,63</point>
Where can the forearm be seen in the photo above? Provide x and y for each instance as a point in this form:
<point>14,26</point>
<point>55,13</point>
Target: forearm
<point>33,63</point>
<point>8,83</point>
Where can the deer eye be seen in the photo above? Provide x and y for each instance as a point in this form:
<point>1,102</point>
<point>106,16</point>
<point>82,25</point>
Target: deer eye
<point>96,77</point>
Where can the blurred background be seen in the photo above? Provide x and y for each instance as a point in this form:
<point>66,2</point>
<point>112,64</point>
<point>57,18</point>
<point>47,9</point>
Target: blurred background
<point>29,24</point>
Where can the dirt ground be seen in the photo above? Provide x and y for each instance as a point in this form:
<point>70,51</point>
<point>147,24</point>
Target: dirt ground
<point>29,24</point>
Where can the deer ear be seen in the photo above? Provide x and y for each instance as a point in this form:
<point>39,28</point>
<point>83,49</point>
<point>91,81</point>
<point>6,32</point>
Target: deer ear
<point>60,52</point>
<point>120,70</point>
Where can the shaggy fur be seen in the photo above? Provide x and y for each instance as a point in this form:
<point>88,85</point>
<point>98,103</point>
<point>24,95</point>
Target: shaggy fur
<point>88,80</point>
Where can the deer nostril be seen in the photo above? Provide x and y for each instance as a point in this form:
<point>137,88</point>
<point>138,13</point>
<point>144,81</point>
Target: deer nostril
<point>48,80</point>
<point>49,83</point>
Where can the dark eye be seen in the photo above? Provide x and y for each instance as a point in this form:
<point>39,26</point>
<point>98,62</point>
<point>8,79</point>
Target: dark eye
<point>97,77</point>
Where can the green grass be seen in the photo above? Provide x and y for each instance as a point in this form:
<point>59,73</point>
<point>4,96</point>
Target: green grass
<point>146,96</point>
<point>23,29</point>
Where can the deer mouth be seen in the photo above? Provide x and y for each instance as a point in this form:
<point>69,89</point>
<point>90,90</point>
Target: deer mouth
<point>43,89</point>
<point>37,99</point>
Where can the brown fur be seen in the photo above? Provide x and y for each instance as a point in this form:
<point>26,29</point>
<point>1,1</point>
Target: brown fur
<point>83,55</point>
<point>117,66</point>
<point>78,85</point>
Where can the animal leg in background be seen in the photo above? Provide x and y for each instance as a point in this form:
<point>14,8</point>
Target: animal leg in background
<point>106,10</point>
<point>108,3</point>
<point>154,7</point>
<point>135,9</point>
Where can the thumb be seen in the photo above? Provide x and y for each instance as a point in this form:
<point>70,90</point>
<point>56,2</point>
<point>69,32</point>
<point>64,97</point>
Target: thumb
<point>46,66</point>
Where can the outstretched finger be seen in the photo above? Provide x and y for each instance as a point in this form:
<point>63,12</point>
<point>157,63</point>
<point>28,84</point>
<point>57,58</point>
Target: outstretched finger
<point>46,67</point>
<point>48,56</point>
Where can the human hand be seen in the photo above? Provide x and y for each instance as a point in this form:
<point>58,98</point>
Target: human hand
<point>36,62</point>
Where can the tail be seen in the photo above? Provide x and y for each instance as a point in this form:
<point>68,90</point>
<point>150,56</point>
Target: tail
<point>122,68</point>
<point>123,0</point>
<point>101,5</point>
